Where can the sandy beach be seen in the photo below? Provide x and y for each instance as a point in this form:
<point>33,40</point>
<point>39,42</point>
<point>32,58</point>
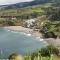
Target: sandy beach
<point>51,41</point>
<point>25,30</point>
<point>54,42</point>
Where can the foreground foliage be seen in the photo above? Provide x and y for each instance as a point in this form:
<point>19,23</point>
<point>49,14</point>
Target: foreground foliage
<point>47,53</point>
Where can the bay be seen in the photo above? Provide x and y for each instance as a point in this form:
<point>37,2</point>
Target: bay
<point>18,42</point>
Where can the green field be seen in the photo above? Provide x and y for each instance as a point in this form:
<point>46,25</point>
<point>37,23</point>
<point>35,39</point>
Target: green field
<point>38,10</point>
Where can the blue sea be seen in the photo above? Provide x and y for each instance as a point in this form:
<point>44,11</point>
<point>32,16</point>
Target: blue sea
<point>18,42</point>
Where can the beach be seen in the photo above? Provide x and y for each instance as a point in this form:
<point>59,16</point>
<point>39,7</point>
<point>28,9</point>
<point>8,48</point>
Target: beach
<point>31,32</point>
<point>54,42</point>
<point>25,30</point>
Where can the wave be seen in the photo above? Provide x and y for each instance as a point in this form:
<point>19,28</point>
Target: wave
<point>26,34</point>
<point>20,33</point>
<point>14,32</point>
<point>41,39</point>
<point>8,30</point>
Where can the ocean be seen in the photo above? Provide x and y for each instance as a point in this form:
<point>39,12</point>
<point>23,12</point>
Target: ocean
<point>18,42</point>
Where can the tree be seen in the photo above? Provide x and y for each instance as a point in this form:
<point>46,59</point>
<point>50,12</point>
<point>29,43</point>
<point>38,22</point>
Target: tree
<point>49,50</point>
<point>11,23</point>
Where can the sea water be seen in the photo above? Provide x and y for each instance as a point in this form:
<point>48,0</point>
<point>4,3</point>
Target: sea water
<point>18,42</point>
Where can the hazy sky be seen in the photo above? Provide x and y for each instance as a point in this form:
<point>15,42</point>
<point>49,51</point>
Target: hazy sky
<point>3,2</point>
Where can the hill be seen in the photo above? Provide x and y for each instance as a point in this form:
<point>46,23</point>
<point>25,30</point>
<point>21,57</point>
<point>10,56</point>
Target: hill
<point>25,4</point>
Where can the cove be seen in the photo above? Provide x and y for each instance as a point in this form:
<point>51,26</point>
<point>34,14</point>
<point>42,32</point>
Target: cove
<point>18,42</point>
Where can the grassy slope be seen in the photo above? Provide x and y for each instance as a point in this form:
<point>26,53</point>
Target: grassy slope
<point>25,10</point>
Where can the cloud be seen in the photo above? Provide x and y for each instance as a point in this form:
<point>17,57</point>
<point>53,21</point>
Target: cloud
<point>3,2</point>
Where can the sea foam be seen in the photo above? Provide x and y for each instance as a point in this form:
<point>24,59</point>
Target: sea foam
<point>41,39</point>
<point>8,30</point>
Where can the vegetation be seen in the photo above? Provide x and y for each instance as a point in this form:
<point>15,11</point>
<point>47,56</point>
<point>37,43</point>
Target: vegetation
<point>47,22</point>
<point>15,56</point>
<point>47,18</point>
<point>51,29</point>
<point>13,22</point>
<point>46,53</point>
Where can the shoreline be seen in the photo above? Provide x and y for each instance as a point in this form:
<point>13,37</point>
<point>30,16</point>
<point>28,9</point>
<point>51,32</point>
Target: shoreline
<point>31,32</point>
<point>25,30</point>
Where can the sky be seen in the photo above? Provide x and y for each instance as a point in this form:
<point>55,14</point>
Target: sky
<point>4,2</point>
